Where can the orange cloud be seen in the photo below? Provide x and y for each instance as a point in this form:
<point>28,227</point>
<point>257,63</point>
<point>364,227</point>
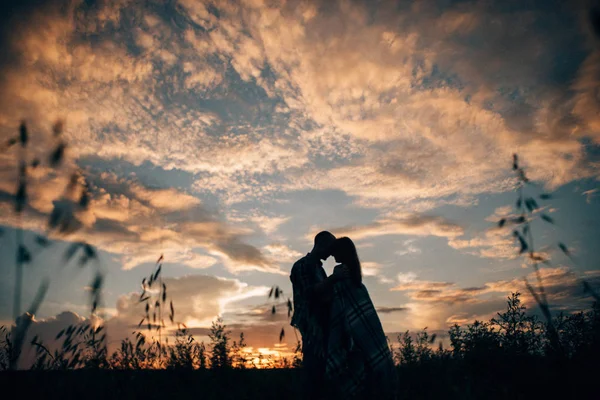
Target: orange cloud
<point>418,225</point>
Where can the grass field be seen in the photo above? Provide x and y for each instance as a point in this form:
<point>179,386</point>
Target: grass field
<point>434,381</point>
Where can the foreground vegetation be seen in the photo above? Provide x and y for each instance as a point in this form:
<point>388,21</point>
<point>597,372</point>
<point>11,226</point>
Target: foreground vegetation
<point>513,355</point>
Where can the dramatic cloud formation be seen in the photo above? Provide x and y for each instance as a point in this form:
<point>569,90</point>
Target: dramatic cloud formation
<point>382,123</point>
<point>139,223</point>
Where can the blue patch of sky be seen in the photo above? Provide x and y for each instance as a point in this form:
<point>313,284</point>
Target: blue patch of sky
<point>237,102</point>
<point>151,176</point>
<point>591,150</point>
<point>576,220</point>
<point>331,208</point>
<point>577,224</point>
<point>436,262</point>
<point>147,173</point>
<point>67,279</point>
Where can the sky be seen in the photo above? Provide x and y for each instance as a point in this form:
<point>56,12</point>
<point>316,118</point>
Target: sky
<point>224,135</point>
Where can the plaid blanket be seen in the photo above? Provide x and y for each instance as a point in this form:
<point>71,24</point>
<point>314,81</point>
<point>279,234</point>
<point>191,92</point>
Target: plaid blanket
<point>310,314</point>
<point>359,361</point>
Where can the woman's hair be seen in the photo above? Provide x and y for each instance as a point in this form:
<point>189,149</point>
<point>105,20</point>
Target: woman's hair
<point>344,251</point>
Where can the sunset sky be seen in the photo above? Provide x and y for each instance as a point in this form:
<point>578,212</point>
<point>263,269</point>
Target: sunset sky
<point>225,134</point>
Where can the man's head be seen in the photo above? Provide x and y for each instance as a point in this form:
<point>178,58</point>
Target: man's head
<point>323,242</point>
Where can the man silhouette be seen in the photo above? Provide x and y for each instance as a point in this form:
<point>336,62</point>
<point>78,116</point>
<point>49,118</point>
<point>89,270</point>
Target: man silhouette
<point>312,295</point>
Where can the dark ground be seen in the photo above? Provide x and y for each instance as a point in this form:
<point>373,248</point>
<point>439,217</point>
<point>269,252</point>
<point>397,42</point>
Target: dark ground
<point>433,382</point>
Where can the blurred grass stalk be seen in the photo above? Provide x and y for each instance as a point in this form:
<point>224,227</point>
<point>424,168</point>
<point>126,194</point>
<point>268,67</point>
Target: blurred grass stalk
<point>62,219</point>
<point>20,201</point>
<point>528,210</point>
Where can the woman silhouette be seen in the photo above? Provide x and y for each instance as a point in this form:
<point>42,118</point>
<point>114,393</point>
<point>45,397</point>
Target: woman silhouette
<point>359,360</point>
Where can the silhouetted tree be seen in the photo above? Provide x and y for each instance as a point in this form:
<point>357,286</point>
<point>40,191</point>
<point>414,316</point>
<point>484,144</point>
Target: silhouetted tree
<point>517,332</point>
<point>406,353</point>
<point>219,336</point>
<point>185,353</point>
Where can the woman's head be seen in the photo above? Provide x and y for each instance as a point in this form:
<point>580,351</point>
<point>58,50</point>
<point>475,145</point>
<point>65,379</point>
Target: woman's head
<point>344,252</point>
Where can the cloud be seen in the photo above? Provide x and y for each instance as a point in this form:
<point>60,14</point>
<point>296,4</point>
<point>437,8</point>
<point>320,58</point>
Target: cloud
<point>370,268</point>
<point>419,225</point>
<point>46,330</point>
<point>443,292</point>
<point>198,299</point>
<point>165,200</point>
<point>138,223</point>
<point>408,121</point>
<point>281,253</point>
<point>434,303</point>
<point>408,248</point>
<point>450,293</point>
<point>269,225</point>
<point>435,141</point>
<point>388,310</point>
<point>589,195</point>
<point>497,244</point>
<point>563,286</point>
<point>267,222</point>
<point>500,212</point>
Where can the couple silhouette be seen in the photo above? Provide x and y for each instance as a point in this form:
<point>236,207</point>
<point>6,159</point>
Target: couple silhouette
<point>345,351</point>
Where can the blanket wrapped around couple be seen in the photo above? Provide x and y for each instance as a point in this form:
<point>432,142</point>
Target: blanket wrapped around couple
<point>359,360</point>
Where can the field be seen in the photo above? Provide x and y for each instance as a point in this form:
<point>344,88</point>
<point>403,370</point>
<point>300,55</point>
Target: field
<point>536,381</point>
<point>512,356</point>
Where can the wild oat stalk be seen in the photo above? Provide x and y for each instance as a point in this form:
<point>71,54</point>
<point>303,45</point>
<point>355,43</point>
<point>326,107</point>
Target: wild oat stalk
<point>154,301</point>
<point>276,293</point>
